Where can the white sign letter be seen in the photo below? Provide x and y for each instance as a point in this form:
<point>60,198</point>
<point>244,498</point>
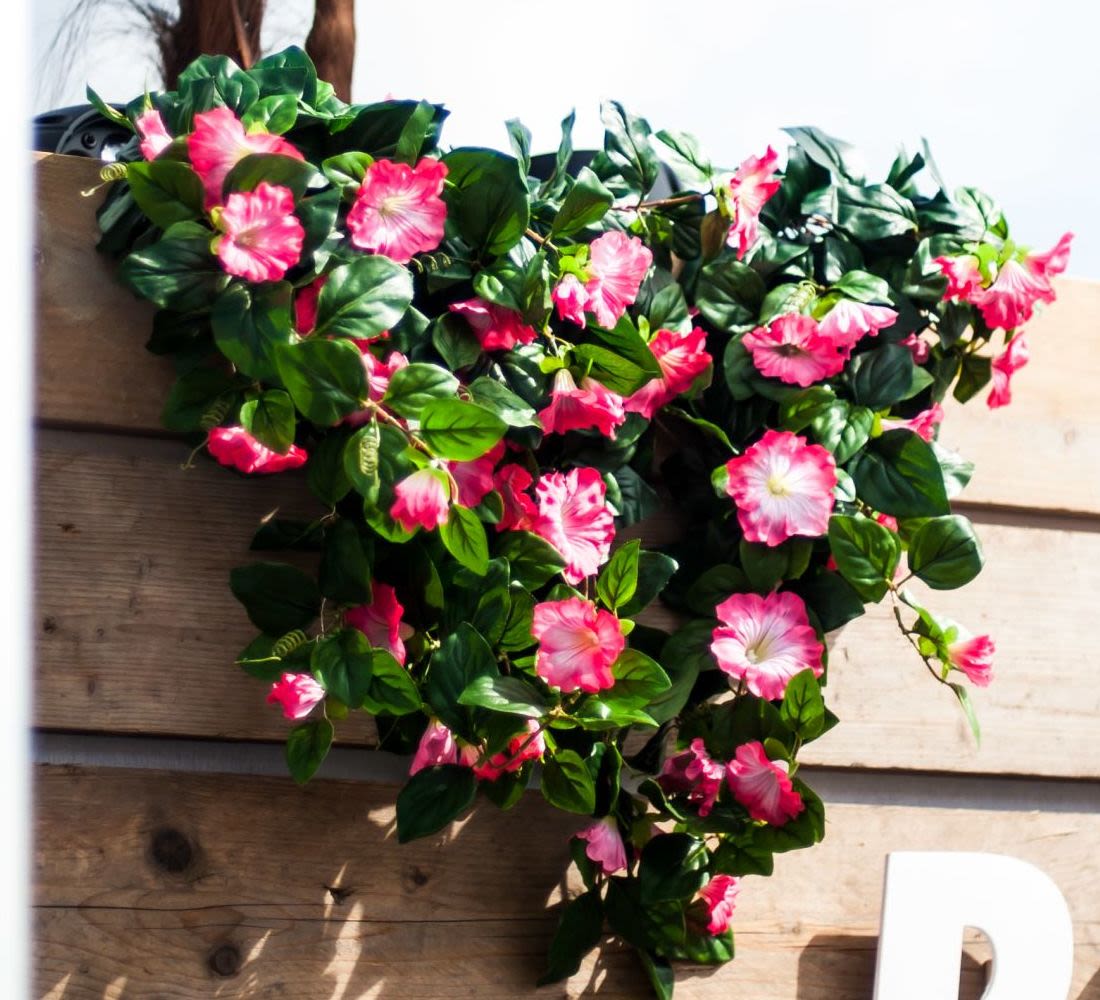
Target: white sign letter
<point>930,897</point>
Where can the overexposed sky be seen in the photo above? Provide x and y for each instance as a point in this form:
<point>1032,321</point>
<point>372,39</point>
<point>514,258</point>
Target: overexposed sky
<point>1006,91</point>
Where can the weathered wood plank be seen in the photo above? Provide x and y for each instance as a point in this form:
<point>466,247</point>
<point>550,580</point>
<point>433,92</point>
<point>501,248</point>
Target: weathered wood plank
<point>1041,452</point>
<point>137,631</point>
<point>147,882</point>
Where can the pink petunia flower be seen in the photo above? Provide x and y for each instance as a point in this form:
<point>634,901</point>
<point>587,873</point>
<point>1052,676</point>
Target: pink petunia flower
<point>1010,301</point>
<point>577,644</point>
<point>765,641</point>
<point>887,521</point>
<point>682,358</point>
<point>521,748</point>
<point>1005,365</point>
<point>512,483</point>
<point>380,621</point>
<point>474,479</point>
<point>920,349</point>
<point>570,298</point>
<point>617,265</point>
<point>155,138</point>
<point>574,408</point>
<point>236,448</point>
<point>438,746</point>
<point>973,655</point>
<point>924,424</point>
<point>305,305</point>
<point>752,185</point>
<point>1055,260</point>
<point>694,772</point>
<point>792,349</point>
<point>379,372</point>
<point>497,328</point>
<point>573,516</point>
<point>605,845</point>
<point>848,322</point>
<point>261,236</point>
<point>398,211</point>
<point>423,499</point>
<point>763,786</point>
<point>296,694</point>
<point>964,277</point>
<point>720,897</point>
<point>782,487</point>
<point>219,142</point>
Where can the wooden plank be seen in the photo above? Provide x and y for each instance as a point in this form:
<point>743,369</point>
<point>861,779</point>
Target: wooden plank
<point>1041,452</point>
<point>137,631</point>
<point>148,884</point>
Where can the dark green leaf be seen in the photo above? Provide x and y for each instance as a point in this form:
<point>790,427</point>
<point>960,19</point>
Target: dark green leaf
<point>364,298</point>
<point>499,399</point>
<point>486,199</point>
<point>196,396</point>
<point>639,679</point>
<point>391,690</point>
<point>325,378</point>
<point>166,190</point>
<point>618,580</point>
<point>460,431</point>
<point>945,553</point>
<point>432,798</point>
<point>269,418</point>
<point>510,695</point>
<point>673,867</point>
<point>249,323</point>
<point>579,931</point>
<point>729,295</point>
<point>178,272</point>
<point>866,554</point>
<point>567,783</point>
<point>898,474</point>
<point>345,572</point>
<point>533,559</point>
<point>412,387</point>
<point>342,664</point>
<point>803,708</point>
<point>882,376</point>
<point>278,598</point>
<point>463,534</point>
<point>587,202</point>
<point>307,745</point>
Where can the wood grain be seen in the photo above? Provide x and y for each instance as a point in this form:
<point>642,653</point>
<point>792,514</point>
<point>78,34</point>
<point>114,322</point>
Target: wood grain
<point>150,883</point>
<point>137,632</point>
<point>1041,452</point>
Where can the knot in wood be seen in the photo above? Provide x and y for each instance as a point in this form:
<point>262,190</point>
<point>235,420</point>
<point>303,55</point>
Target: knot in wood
<point>225,960</point>
<point>172,850</point>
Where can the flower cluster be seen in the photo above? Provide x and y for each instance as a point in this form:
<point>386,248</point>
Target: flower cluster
<point>486,367</point>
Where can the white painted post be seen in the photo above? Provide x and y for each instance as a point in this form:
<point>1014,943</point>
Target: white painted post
<point>928,900</point>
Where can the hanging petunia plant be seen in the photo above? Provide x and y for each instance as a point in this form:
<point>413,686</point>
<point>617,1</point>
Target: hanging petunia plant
<point>487,371</point>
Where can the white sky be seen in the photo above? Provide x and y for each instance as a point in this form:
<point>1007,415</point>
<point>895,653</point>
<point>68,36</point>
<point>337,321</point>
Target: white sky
<point>1006,91</point>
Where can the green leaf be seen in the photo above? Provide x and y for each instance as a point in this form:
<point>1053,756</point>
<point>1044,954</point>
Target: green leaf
<point>627,149</point>
<point>881,377</point>
<point>968,708</point>
<point>519,135</point>
<point>659,972</point>
<point>195,395</point>
<point>325,474</point>
<point>417,132</point>
<point>413,387</point>
<point>325,378</point>
<point>803,708</point>
<point>587,202</point>
<point>838,157</point>
<point>898,474</point>
<point>609,713</point>
<point>673,867</point>
<point>945,553</point>
<point>456,342</point>
<point>275,113</point>
<point>866,554</point>
<point>618,580</point>
<point>729,294</point>
<point>346,170</point>
<point>249,324</point>
<point>639,679</point>
<point>307,745</point>
<point>497,398</point>
<point>278,598</point>
<point>461,657</point>
<point>874,212</point>
<point>803,408</point>
<point>831,598</point>
<point>112,114</point>
<point>683,153</point>
<point>713,586</point>
<point>655,569</point>
<point>567,783</point>
<point>579,931</point>
<point>863,287</point>
<point>167,191</point>
<point>510,695</point>
<point>269,418</point>
<point>843,429</point>
<point>271,168</point>
<point>767,566</point>
<point>487,199</point>
<point>432,798</point>
<point>464,537</point>
<point>974,376</point>
<point>342,665</point>
<point>345,572</point>
<point>610,369</point>
<point>533,559</point>
<point>364,298</point>
<point>459,431</point>
<point>391,690</point>
<point>178,272</point>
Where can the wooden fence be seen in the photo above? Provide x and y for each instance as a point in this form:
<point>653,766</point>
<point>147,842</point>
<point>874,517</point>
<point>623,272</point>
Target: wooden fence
<point>169,869</point>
